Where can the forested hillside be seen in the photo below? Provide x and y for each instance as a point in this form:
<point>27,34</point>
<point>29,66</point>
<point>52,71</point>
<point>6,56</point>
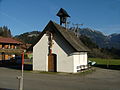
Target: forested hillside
<point>28,37</point>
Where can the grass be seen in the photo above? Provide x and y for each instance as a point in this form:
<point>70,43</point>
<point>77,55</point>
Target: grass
<point>113,64</point>
<point>85,72</point>
<point>106,61</point>
<point>101,63</point>
<point>46,72</point>
<point>28,63</point>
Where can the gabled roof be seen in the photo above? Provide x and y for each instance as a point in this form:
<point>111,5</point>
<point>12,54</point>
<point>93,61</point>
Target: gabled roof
<point>9,40</point>
<point>69,36</point>
<point>62,12</point>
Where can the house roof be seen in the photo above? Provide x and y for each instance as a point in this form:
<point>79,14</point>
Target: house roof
<point>9,40</point>
<point>68,35</point>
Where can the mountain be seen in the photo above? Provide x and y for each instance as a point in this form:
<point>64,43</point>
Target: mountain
<point>97,37</point>
<point>91,38</point>
<point>28,37</point>
<point>114,40</point>
<point>102,40</point>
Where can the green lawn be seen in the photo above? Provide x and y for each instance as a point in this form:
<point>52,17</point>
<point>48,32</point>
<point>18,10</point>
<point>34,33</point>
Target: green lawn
<point>28,63</point>
<point>106,61</point>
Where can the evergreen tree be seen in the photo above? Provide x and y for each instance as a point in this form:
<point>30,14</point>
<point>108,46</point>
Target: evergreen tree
<point>5,32</point>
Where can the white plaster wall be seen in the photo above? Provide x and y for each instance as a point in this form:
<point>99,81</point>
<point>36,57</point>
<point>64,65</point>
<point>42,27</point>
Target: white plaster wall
<point>83,58</point>
<point>63,50</point>
<point>40,54</point>
<point>64,62</point>
<point>79,59</point>
<point>76,62</point>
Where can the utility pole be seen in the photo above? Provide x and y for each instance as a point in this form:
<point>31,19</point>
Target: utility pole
<point>20,78</point>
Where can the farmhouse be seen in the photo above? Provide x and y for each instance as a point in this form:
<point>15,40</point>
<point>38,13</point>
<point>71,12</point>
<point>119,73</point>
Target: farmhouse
<point>59,50</point>
<point>8,48</point>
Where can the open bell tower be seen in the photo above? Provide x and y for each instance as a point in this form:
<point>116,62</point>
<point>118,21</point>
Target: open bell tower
<point>63,16</point>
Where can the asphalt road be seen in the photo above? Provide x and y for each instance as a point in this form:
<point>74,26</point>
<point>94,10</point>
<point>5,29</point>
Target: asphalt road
<point>101,79</point>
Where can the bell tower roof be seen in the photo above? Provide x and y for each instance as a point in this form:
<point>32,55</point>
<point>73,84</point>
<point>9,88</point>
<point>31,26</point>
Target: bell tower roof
<point>62,13</point>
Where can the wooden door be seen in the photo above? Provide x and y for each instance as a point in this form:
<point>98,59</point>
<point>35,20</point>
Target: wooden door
<point>52,63</point>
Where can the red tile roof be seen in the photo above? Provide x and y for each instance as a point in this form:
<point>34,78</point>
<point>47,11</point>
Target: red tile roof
<point>9,40</point>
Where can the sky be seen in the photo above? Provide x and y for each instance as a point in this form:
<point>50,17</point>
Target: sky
<point>28,15</point>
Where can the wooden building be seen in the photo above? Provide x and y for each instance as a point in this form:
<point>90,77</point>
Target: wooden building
<point>9,48</point>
